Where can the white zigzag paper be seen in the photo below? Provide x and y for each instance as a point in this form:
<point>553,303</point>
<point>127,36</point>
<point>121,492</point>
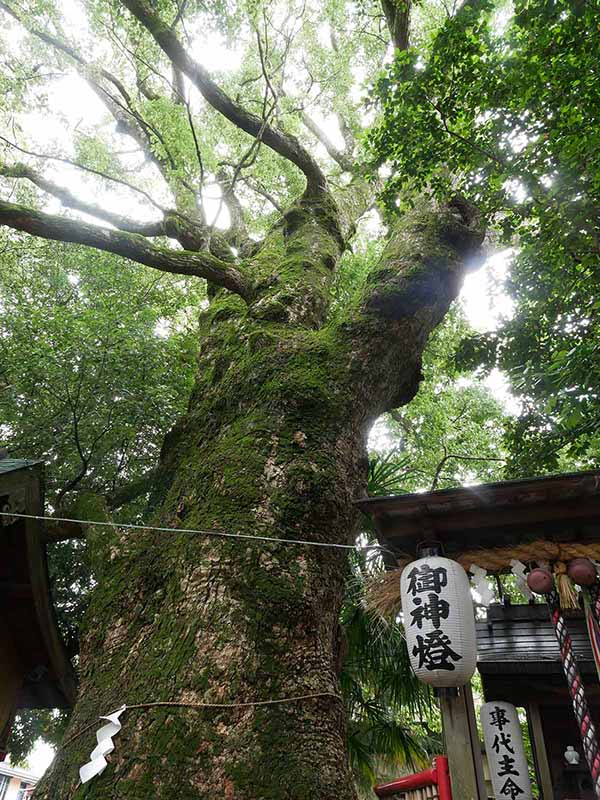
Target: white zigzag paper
<point>481,584</point>
<point>519,570</point>
<point>98,763</point>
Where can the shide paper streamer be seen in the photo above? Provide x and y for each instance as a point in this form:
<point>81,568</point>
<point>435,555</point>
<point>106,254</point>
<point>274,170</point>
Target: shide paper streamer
<point>481,584</point>
<point>98,763</point>
<point>519,570</point>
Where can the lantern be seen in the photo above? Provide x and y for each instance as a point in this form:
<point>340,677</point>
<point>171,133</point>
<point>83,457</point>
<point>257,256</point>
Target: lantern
<point>505,752</point>
<point>439,621</point>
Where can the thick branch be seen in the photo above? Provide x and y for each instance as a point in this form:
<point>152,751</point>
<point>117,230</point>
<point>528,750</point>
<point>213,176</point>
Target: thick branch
<point>178,86</point>
<point>63,531</point>
<point>131,491</point>
<point>129,245</point>
<point>283,144</point>
<point>409,291</point>
<point>238,232</point>
<point>397,15</point>
<point>84,168</point>
<point>190,234</point>
<point>68,199</point>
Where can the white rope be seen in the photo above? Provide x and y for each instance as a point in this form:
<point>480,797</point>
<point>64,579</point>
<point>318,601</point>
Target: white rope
<point>207,532</point>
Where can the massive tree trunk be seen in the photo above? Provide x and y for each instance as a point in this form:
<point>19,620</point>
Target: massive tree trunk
<point>273,444</point>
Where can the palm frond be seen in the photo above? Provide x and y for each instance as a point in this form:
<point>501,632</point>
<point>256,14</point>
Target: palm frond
<point>387,473</point>
<point>382,694</point>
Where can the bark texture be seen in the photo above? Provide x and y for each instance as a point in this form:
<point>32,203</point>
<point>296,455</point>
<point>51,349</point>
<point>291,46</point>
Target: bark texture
<point>273,443</point>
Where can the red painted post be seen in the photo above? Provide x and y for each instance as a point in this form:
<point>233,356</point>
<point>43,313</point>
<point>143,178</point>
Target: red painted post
<point>427,778</point>
<point>438,775</point>
<point>443,777</point>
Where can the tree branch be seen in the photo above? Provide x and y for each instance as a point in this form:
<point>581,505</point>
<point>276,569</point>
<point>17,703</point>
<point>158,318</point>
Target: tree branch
<point>458,456</point>
<point>337,155</point>
<point>128,245</point>
<point>409,291</point>
<point>397,15</point>
<point>68,199</point>
<point>63,531</point>
<point>238,233</point>
<point>82,167</point>
<point>283,144</point>
<point>190,234</point>
<point>257,187</point>
<point>131,491</point>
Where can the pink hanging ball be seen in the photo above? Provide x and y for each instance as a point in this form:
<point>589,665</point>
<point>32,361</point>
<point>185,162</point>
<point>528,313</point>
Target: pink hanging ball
<point>582,571</point>
<point>540,581</point>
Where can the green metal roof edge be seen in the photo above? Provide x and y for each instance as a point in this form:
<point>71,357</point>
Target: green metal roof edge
<point>13,464</point>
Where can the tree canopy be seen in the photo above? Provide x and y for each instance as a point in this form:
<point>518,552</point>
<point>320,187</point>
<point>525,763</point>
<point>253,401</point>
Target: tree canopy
<point>502,104</point>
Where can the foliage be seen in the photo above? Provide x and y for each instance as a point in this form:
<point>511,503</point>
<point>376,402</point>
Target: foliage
<point>96,361</point>
<point>389,710</point>
<point>451,433</point>
<point>350,277</point>
<point>503,107</point>
<point>32,725</point>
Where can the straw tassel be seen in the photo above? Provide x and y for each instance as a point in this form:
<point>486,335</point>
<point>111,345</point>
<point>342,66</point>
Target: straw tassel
<point>566,590</point>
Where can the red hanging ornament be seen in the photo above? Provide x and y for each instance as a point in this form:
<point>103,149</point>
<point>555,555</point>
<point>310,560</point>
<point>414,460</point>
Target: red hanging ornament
<point>540,581</point>
<point>582,571</point>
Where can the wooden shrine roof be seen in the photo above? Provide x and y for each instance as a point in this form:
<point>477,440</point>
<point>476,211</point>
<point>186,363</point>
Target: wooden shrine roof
<point>520,639</point>
<point>558,507</point>
<point>518,655</point>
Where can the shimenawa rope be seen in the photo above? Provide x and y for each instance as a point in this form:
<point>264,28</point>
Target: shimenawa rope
<point>199,531</point>
<point>202,706</point>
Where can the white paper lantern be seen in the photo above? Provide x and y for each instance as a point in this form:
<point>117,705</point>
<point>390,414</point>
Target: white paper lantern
<point>439,621</point>
<point>505,752</point>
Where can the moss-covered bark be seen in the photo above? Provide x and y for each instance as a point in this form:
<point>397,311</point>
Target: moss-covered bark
<point>273,443</point>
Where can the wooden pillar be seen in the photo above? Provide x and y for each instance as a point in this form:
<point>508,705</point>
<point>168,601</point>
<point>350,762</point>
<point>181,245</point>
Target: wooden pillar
<point>540,755</point>
<point>11,679</point>
<point>462,743</point>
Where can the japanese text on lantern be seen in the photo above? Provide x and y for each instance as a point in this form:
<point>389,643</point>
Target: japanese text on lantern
<point>433,648</point>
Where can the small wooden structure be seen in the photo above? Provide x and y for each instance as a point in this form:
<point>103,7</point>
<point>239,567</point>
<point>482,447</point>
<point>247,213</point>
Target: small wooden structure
<point>35,671</point>
<point>519,661</point>
<point>518,655</point>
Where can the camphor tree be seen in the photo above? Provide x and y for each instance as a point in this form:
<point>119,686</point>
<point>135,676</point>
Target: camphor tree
<point>291,371</point>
